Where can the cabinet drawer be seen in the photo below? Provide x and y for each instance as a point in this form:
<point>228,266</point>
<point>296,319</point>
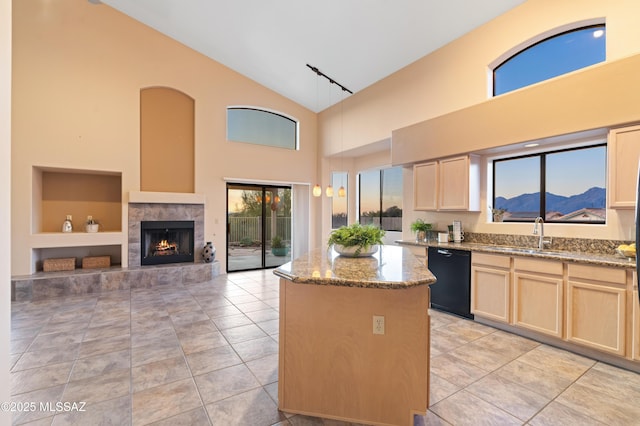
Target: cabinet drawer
<point>598,273</point>
<point>494,260</point>
<point>538,266</point>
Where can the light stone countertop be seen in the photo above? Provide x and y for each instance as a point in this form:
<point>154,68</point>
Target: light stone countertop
<point>392,267</point>
<point>613,259</point>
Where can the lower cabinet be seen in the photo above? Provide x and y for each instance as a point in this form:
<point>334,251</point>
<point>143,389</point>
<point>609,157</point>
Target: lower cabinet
<point>596,307</point>
<point>491,286</point>
<point>538,296</point>
<point>635,326</point>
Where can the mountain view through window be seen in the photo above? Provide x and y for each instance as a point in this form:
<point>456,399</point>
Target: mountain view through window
<point>573,183</point>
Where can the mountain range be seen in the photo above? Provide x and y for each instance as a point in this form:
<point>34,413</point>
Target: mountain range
<point>593,198</point>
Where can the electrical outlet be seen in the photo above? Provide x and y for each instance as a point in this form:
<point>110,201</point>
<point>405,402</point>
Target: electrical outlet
<point>378,324</point>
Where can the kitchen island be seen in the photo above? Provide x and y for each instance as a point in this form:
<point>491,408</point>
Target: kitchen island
<point>331,364</point>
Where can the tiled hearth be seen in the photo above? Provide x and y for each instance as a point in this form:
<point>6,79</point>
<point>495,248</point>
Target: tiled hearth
<point>45,285</point>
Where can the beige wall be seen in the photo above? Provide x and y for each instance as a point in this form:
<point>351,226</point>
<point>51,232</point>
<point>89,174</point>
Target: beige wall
<point>78,69</point>
<point>5,200</point>
<point>456,77</point>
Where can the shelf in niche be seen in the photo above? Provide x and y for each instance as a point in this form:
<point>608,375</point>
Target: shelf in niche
<point>76,239</point>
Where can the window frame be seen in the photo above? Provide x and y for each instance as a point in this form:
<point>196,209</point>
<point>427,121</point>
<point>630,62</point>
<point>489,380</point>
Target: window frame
<point>380,197</point>
<point>295,121</point>
<point>535,41</point>
<point>542,184</point>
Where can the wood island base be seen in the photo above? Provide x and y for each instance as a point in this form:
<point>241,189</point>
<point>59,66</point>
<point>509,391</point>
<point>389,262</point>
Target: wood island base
<point>331,365</point>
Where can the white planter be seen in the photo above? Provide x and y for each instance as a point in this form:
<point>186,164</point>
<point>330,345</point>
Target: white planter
<point>351,251</point>
<point>92,228</point>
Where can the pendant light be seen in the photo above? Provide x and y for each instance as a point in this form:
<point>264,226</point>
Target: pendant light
<point>317,189</point>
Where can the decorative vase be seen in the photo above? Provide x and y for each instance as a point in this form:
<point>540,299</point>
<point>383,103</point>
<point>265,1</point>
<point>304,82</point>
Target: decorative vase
<point>209,252</point>
<point>421,236</point>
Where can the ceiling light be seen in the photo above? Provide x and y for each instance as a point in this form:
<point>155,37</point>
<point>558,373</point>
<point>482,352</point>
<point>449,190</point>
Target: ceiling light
<point>329,191</point>
<point>531,145</point>
<point>317,191</point>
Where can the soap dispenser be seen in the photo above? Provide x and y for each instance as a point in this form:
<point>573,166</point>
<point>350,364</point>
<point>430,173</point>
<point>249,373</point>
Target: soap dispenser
<point>67,226</point>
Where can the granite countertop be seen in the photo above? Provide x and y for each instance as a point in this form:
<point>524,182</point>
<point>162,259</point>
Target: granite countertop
<point>613,259</point>
<point>392,267</point>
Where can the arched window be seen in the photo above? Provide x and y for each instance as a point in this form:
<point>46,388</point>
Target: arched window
<point>261,127</point>
<point>553,56</point>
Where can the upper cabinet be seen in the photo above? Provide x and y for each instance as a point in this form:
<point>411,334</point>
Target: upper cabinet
<point>449,184</point>
<point>623,156</point>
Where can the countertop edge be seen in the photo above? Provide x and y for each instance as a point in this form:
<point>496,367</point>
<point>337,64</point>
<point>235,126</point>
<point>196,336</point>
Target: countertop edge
<point>575,257</point>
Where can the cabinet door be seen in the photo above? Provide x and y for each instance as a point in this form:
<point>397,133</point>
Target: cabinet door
<point>623,155</point>
<point>635,340</point>
<point>537,303</point>
<point>454,183</point>
<point>425,186</point>
<point>490,293</point>
<point>596,316</point>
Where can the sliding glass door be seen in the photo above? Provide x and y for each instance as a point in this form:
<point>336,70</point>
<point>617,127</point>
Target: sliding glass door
<point>258,226</point>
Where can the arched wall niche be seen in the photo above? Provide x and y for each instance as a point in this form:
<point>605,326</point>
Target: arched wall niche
<point>167,144</point>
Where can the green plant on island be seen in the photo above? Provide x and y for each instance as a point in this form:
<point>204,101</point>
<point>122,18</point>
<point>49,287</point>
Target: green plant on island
<point>356,235</point>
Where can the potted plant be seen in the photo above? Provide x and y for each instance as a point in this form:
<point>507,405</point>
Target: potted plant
<point>91,225</point>
<point>498,214</point>
<point>420,227</point>
<point>278,248</point>
<point>356,239</point>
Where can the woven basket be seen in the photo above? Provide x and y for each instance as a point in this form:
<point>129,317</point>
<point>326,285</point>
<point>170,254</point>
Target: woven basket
<point>59,264</point>
<point>90,262</point>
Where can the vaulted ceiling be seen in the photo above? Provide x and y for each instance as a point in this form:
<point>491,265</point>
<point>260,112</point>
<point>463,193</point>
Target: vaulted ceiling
<point>355,42</point>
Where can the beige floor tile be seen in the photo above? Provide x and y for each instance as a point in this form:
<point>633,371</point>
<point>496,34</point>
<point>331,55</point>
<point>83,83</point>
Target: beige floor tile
<point>212,359</point>
<point>516,400</point>
<point>160,337</point>
<point>243,333</point>
<point>40,378</point>
<point>265,369</point>
<point>600,405</point>
<point>200,342</point>
<point>98,365</point>
<point>105,331</point>
<point>104,345</point>
<point>48,395</point>
<point>456,371</point>
<point>165,401</point>
<point>48,356</point>
<point>270,327</point>
<point>222,311</point>
<point>559,362</point>
<point>159,373</point>
<point>539,380</point>
<point>99,388</point>
<point>556,414</point>
<point>263,315</point>
<point>464,408</point>
<point>440,389</point>
<point>507,344</point>
<point>231,321</point>
<point>153,352</point>
<point>430,419</point>
<point>445,342</point>
<point>56,340</point>
<point>221,384</point>
<point>198,327</point>
<point>188,317</point>
<point>195,417</point>
<point>257,348</point>
<point>253,407</point>
<point>480,356</point>
<point>115,411</point>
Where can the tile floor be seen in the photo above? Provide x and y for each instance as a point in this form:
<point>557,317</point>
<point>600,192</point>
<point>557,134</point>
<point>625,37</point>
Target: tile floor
<point>207,353</point>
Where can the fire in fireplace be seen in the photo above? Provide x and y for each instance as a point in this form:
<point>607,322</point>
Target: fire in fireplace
<point>166,242</point>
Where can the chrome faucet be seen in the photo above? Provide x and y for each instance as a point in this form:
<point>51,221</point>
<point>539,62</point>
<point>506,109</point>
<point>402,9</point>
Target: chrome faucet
<point>541,240</point>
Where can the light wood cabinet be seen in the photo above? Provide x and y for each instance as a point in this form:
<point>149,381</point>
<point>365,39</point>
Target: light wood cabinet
<point>596,307</point>
<point>491,286</point>
<point>538,290</point>
<point>449,184</point>
<point>623,156</point>
<point>425,186</point>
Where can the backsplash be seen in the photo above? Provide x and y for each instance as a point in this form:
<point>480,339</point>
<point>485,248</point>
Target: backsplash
<point>579,245</point>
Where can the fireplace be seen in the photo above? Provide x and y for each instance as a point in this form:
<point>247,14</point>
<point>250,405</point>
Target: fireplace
<point>166,242</point>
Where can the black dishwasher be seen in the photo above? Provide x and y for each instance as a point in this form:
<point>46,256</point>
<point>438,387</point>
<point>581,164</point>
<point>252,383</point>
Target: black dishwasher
<point>452,290</point>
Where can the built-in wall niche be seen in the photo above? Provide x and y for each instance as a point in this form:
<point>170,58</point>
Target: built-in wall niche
<point>113,251</point>
<point>79,193</point>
